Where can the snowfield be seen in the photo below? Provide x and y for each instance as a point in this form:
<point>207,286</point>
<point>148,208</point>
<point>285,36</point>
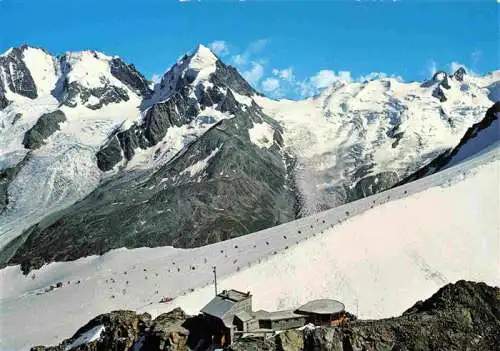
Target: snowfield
<point>378,255</point>
<point>384,124</point>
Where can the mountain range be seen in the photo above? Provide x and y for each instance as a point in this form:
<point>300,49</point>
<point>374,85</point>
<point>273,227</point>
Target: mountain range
<point>95,157</point>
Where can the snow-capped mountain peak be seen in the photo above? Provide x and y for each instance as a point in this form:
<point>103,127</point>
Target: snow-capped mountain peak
<point>202,61</point>
<point>86,67</point>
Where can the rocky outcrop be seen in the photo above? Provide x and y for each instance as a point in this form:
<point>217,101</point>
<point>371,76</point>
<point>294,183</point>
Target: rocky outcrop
<point>176,111</point>
<point>228,76</point>
<point>460,316</point>
<point>3,100</point>
<point>46,125</point>
<point>373,184</point>
<point>441,82</point>
<point>167,332</point>
<point>76,94</point>
<point>131,77</point>
<point>127,330</point>
<point>290,340</point>
<point>6,177</point>
<point>459,74</point>
<point>109,155</point>
<point>180,108</point>
<point>17,76</point>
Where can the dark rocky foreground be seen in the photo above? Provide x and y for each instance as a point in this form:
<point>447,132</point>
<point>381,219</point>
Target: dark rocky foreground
<point>460,316</point>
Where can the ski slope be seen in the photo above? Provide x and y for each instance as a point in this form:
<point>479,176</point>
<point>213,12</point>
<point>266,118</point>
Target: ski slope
<point>378,255</point>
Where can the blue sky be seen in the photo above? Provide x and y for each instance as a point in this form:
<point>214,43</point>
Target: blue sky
<point>284,48</point>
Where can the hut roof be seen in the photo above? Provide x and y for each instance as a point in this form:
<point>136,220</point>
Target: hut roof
<point>322,306</point>
<point>243,316</point>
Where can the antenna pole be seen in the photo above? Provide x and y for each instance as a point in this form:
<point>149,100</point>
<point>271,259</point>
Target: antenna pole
<point>215,279</point>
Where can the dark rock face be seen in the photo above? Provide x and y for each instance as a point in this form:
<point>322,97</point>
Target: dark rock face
<point>167,332</point>
<point>16,118</point>
<point>109,155</point>
<point>461,316</point>
<point>6,177</point>
<point>18,77</point>
<point>129,75</point>
<point>106,94</point>
<point>254,344</point>
<point>229,76</point>
<point>444,159</point>
<point>442,79</point>
<point>459,74</point>
<point>126,330</point>
<point>4,102</point>
<point>46,125</point>
<point>176,111</point>
<point>439,94</point>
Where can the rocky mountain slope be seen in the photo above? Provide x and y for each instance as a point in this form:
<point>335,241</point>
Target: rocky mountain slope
<point>464,315</point>
<point>358,138</point>
<point>94,157</point>
<point>173,172</point>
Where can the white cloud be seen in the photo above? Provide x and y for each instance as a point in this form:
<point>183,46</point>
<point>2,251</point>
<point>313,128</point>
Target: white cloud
<point>270,85</point>
<point>285,74</point>
<point>476,57</point>
<point>239,60</point>
<point>456,65</point>
<point>219,47</point>
<point>254,75</point>
<point>257,46</point>
<point>373,75</point>
<point>379,75</point>
<point>432,69</point>
<point>325,78</point>
<point>253,48</point>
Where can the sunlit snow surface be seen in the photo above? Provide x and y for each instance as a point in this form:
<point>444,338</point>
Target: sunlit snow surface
<point>377,261</point>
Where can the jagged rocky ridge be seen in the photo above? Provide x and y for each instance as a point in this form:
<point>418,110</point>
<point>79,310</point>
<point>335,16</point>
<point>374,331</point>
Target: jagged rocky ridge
<point>19,80</point>
<point>189,201</point>
<point>460,316</point>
